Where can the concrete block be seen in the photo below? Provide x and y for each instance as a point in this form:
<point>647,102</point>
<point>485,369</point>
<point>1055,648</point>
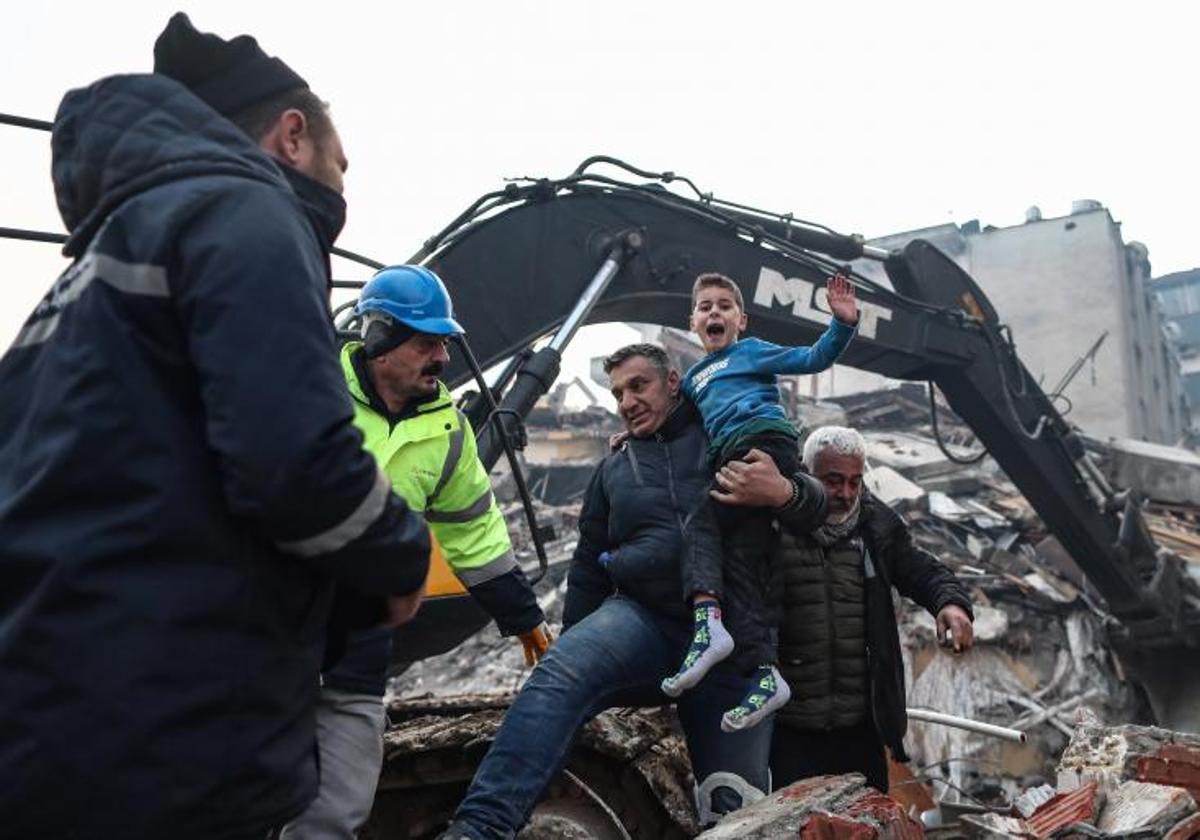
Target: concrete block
<point>822,808</point>
<point>1141,805</point>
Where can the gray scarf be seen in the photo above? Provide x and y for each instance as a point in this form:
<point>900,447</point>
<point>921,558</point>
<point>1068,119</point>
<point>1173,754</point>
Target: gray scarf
<point>831,533</point>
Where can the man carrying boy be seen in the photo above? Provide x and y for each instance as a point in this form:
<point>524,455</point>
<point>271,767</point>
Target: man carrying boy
<point>734,387</point>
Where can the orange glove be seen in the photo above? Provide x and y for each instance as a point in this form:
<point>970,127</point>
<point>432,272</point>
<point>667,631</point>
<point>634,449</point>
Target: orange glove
<point>536,641</point>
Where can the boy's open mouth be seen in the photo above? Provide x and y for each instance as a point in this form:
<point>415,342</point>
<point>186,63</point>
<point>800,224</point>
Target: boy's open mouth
<point>715,330</point>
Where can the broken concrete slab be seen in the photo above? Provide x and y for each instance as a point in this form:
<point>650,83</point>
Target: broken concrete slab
<point>944,507</point>
<point>1164,473</point>
<point>891,488</point>
<point>1143,805</point>
<point>911,455</point>
<point>822,808</point>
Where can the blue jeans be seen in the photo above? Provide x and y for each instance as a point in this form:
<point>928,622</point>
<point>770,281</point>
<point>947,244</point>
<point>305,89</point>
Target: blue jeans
<point>620,652</point>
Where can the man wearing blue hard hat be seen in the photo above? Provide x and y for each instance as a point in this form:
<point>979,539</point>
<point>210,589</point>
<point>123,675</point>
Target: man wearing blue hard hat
<point>426,448</point>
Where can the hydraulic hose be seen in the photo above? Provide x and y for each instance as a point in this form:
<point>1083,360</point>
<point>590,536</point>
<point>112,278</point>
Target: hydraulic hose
<point>494,414</point>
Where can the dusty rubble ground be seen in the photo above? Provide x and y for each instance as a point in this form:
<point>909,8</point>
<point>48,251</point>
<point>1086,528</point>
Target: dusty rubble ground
<point>488,662</point>
<point>1042,658</point>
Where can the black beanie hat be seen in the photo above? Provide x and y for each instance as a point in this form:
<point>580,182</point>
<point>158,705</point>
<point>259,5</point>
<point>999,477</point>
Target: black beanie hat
<point>229,75</point>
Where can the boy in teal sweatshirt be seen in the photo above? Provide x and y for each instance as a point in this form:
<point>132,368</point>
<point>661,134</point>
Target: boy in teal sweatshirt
<point>735,389</point>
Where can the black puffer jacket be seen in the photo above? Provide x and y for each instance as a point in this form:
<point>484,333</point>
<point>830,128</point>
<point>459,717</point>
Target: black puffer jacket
<point>822,645</point>
<point>180,485</point>
<point>894,562</point>
<point>638,503</point>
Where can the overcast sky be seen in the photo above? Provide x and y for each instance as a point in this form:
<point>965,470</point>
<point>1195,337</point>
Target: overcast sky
<point>868,117</point>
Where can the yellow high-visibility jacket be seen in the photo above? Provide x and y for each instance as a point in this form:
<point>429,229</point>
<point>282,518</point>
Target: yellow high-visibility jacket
<point>433,464</point>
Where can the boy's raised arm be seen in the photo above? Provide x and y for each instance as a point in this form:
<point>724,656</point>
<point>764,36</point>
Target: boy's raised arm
<point>771,358</point>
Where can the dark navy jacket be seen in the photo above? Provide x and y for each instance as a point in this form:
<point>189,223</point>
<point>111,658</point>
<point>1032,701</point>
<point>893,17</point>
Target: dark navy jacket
<point>637,506</point>
<point>180,485</point>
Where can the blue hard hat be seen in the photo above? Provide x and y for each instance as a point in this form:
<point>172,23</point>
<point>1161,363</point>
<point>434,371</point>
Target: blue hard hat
<point>412,295</point>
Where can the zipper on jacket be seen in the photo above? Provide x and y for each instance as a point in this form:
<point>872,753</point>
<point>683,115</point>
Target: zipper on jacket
<point>671,482</point>
<point>633,462</point>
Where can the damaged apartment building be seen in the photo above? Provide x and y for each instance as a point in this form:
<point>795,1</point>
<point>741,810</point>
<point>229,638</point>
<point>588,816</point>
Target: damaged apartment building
<point>1179,296</point>
<point>1083,314</point>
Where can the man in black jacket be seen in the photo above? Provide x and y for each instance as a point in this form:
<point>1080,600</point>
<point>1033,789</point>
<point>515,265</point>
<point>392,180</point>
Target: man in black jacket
<point>626,621</point>
<point>180,481</point>
<point>839,646</point>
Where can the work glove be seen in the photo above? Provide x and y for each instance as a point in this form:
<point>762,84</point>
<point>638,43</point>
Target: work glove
<point>536,641</point>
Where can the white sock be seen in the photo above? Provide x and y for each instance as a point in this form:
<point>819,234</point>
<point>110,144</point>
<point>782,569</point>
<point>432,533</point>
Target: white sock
<point>768,692</point>
<point>711,643</point>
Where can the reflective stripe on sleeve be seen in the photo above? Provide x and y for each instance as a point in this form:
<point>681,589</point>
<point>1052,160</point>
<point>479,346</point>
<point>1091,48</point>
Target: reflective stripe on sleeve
<point>474,510</point>
<point>131,278</point>
<point>350,528</point>
<point>503,564</point>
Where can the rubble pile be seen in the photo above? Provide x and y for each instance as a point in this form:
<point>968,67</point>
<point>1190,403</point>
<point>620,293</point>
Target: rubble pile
<point>487,661</point>
<point>1123,781</point>
<point>1041,648</point>
<point>821,808</point>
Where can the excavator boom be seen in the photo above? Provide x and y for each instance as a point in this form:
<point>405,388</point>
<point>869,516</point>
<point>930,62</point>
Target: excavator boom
<point>522,259</point>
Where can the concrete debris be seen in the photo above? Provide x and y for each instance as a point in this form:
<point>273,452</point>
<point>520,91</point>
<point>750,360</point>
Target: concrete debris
<point>1044,663</point>
<point>1141,805</point>
<point>905,406</point>
<point>912,455</point>
<point>487,661</point>
<point>1032,799</point>
<point>559,484</point>
<point>433,746</point>
<point>1128,752</point>
<point>1125,781</point>
<point>822,808</point>
<point>892,488</point>
<point>944,507</point>
<point>1162,473</point>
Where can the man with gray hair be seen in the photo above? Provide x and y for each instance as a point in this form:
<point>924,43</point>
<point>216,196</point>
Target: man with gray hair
<point>839,647</point>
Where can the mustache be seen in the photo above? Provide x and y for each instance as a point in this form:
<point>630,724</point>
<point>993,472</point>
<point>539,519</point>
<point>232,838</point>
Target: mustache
<point>433,369</point>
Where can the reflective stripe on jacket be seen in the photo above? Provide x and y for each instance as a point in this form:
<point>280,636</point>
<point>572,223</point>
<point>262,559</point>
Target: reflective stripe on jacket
<point>433,464</point>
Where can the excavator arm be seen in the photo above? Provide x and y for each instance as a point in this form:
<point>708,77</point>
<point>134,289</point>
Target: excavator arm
<point>550,255</point>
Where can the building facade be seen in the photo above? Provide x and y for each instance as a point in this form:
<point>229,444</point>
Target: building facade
<point>1179,297</point>
<point>1071,290</point>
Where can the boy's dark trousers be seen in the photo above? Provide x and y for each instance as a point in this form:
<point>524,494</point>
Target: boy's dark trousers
<point>751,597</point>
